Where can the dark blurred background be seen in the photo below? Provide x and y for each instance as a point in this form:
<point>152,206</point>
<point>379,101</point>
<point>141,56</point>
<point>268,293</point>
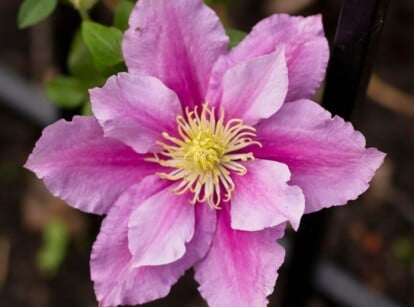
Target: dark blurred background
<point>368,247</point>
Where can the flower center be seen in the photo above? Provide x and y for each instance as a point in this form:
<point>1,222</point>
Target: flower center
<point>206,154</point>
<point>204,150</point>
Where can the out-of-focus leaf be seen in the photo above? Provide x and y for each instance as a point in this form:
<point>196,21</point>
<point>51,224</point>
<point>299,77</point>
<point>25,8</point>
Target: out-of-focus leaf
<point>34,11</point>
<point>81,64</point>
<point>66,92</point>
<point>83,5</point>
<point>235,36</point>
<point>87,108</point>
<point>55,243</point>
<point>112,70</point>
<point>213,2</point>
<point>121,15</point>
<point>103,42</point>
<point>403,249</point>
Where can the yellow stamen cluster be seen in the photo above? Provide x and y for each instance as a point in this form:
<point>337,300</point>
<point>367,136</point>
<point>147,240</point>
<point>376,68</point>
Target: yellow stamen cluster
<point>206,155</point>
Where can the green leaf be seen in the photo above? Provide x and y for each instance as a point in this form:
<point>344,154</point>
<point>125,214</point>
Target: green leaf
<point>112,70</point>
<point>83,5</point>
<point>87,109</point>
<point>214,2</point>
<point>34,11</point>
<point>80,61</point>
<point>66,92</point>
<point>53,250</point>
<point>235,36</point>
<point>121,15</point>
<point>103,42</point>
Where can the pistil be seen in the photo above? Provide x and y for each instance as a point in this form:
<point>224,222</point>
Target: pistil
<point>206,155</point>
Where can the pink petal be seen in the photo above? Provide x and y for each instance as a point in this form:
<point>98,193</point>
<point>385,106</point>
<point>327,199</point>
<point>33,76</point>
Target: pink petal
<point>176,41</point>
<point>240,268</point>
<point>264,199</point>
<point>326,156</point>
<point>257,87</point>
<point>116,281</point>
<point>135,109</point>
<point>159,228</point>
<point>84,168</point>
<point>305,46</point>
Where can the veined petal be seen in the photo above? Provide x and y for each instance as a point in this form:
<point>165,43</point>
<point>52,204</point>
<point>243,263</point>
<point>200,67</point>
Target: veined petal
<point>264,199</point>
<point>135,109</point>
<point>255,89</point>
<point>306,51</point>
<point>116,281</point>
<point>240,268</point>
<point>159,228</point>
<point>84,168</point>
<point>326,156</point>
<point>176,41</point>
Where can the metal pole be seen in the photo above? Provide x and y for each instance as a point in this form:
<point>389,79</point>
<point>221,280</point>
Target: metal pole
<point>359,26</point>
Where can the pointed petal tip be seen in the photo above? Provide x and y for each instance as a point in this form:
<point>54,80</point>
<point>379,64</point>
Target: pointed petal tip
<point>258,85</point>
<point>264,198</point>
<point>307,53</point>
<point>328,159</point>
<point>73,158</point>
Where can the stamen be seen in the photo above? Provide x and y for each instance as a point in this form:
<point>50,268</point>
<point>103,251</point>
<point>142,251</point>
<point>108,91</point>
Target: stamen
<point>205,155</point>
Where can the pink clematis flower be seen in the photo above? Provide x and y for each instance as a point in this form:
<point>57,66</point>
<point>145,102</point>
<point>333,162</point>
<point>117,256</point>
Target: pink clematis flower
<point>199,155</point>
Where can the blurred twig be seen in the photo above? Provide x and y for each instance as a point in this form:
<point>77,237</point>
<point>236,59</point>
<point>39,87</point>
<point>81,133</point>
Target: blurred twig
<point>4,259</point>
<point>390,97</point>
<point>289,6</point>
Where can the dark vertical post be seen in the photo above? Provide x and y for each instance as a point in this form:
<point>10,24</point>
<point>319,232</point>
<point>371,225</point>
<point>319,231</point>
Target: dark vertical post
<point>359,27</point>
<point>357,33</point>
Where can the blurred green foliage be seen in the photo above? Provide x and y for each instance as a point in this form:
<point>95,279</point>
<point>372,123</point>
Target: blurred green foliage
<point>235,36</point>
<point>81,63</point>
<point>103,42</point>
<point>403,249</point>
<point>95,51</point>
<point>66,92</point>
<point>212,2</point>
<point>94,55</point>
<point>83,5</point>
<point>53,250</point>
<point>34,11</point>
<point>121,14</point>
